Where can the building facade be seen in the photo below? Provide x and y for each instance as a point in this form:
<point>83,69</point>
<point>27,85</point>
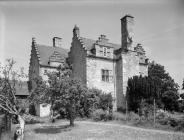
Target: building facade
<point>97,63</point>
<point>107,66</point>
<point>44,59</point>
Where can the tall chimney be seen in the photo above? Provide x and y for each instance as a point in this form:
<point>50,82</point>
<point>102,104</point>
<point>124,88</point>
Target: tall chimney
<point>127,23</point>
<point>57,42</point>
<point>76,32</point>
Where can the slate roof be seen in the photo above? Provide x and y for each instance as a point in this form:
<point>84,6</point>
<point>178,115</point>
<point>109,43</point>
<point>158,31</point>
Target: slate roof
<point>45,52</point>
<point>89,43</point>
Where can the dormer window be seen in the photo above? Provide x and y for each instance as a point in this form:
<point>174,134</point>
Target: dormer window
<point>104,51</point>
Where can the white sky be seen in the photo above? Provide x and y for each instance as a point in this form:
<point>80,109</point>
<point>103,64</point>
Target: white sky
<point>159,27</point>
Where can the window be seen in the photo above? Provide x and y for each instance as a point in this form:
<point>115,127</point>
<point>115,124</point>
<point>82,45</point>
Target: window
<point>45,72</point>
<point>107,75</point>
<point>105,51</point>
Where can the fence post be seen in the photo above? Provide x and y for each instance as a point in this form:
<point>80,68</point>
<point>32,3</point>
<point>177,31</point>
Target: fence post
<point>154,111</point>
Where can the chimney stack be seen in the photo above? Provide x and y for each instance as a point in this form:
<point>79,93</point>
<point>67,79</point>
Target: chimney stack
<point>103,39</point>
<point>57,42</point>
<point>76,32</point>
<point>127,23</point>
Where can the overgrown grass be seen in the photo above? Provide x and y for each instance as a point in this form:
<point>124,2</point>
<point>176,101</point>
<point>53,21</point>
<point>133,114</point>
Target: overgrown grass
<point>163,121</point>
<point>84,130</point>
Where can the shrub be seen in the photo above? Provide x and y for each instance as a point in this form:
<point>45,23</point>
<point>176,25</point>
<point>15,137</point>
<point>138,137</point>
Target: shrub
<point>29,119</point>
<point>99,115</point>
<point>164,121</point>
<point>173,122</point>
<point>161,115</point>
<point>146,110</point>
<point>94,99</point>
<point>180,126</point>
<point>133,117</point>
<point>119,116</point>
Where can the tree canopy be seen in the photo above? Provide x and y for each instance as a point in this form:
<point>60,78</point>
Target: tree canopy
<point>157,85</point>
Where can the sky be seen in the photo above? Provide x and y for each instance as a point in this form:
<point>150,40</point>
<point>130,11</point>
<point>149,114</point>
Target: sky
<point>159,27</point>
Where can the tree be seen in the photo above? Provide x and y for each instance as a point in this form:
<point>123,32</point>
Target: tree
<point>60,89</point>
<point>183,84</point>
<point>170,100</point>
<point>164,80</point>
<point>141,89</point>
<point>8,101</point>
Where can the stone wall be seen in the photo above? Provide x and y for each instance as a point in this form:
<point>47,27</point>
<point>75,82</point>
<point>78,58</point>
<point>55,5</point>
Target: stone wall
<point>119,83</point>
<point>77,57</point>
<point>34,67</point>
<point>94,75</point>
<point>130,63</point>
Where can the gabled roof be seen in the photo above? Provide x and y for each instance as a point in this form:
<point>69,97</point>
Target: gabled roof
<point>89,43</point>
<point>45,52</point>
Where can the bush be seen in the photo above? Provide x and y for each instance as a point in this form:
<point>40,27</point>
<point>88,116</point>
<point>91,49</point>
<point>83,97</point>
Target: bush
<point>29,119</point>
<point>180,126</point>
<point>161,115</point>
<point>146,111</point>
<point>119,116</point>
<point>94,99</point>
<point>170,121</point>
<point>133,117</point>
<point>173,122</point>
<point>99,115</point>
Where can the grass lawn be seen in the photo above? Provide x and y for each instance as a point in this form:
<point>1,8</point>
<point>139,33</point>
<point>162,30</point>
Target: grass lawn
<point>88,130</point>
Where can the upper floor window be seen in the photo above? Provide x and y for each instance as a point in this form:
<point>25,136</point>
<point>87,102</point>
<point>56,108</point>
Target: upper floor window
<point>45,72</point>
<point>107,75</point>
<point>105,51</point>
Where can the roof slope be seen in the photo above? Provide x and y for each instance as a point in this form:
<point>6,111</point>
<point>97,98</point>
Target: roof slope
<point>89,43</point>
<point>45,52</point>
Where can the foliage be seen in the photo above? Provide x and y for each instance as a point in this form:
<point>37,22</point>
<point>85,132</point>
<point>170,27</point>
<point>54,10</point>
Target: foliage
<point>139,89</point>
<point>100,114</point>
<point>170,100</point>
<point>8,101</point>
<point>150,87</point>
<point>9,77</point>
<point>183,84</point>
<point>164,80</point>
<point>91,100</point>
<point>60,90</point>
<point>146,111</point>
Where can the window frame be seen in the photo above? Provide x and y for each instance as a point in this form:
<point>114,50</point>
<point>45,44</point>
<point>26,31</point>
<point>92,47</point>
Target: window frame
<point>106,75</point>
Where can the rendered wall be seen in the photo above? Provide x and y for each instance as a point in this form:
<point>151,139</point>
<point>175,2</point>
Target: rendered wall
<point>42,110</point>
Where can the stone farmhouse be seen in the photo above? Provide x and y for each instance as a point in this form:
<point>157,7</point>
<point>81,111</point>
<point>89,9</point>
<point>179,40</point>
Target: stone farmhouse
<point>44,59</point>
<point>97,63</point>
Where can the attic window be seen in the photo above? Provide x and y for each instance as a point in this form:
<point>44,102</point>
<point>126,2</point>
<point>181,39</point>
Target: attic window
<point>104,51</point>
